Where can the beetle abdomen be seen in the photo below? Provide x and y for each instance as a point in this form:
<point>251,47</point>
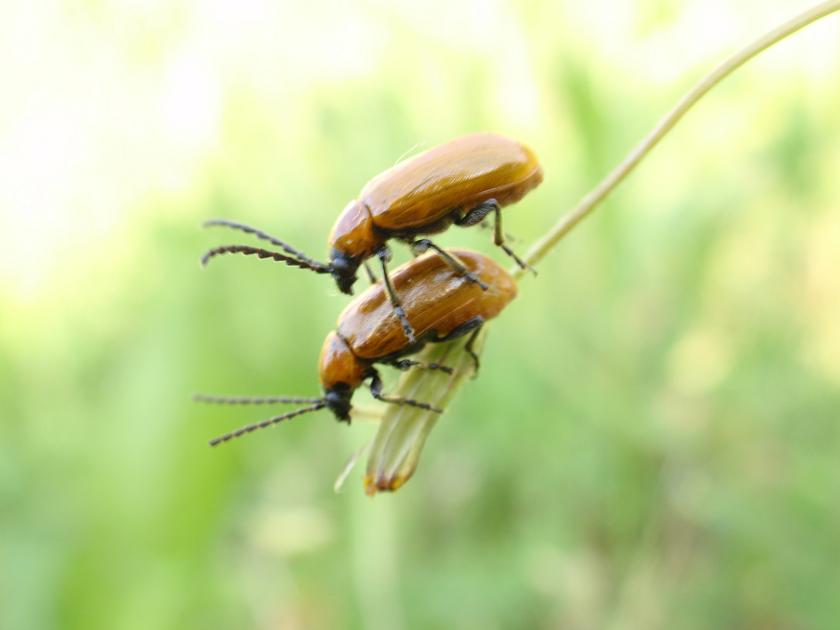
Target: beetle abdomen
<point>459,174</point>
<point>435,299</point>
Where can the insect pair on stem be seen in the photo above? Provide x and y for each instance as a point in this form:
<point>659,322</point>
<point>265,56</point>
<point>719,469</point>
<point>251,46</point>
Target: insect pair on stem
<point>437,297</point>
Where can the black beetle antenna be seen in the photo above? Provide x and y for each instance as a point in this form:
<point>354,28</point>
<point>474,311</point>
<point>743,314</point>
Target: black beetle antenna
<point>263,253</point>
<point>264,236</point>
<point>253,400</point>
<point>262,424</point>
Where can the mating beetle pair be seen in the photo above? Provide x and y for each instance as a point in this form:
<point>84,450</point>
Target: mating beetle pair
<point>436,297</point>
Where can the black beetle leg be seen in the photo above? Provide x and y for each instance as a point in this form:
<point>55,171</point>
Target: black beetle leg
<point>499,239</point>
<point>471,325</point>
<point>477,214</point>
<point>384,256</point>
<point>405,364</point>
<point>471,351</point>
<point>371,276</point>
<point>376,390</point>
<point>485,225</point>
<point>423,244</point>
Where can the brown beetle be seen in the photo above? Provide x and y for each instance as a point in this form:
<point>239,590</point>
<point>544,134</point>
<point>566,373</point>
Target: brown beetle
<point>458,182</point>
<point>441,305</point>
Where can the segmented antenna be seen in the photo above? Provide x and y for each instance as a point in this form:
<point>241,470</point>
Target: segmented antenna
<point>262,253</point>
<point>253,400</point>
<point>265,423</point>
<point>264,236</point>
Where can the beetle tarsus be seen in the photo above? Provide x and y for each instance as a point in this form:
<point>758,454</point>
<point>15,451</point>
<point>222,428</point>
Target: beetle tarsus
<point>499,239</point>
<point>518,260</point>
<point>474,278</point>
<point>405,364</point>
<point>408,402</point>
<point>468,347</point>
<point>470,326</point>
<point>407,329</point>
<point>424,244</point>
<point>376,392</point>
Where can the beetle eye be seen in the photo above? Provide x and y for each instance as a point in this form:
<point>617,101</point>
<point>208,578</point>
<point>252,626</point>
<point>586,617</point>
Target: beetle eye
<point>339,265</point>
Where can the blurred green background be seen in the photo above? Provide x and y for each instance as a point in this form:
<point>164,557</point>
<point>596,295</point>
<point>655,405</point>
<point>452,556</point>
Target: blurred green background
<point>653,441</point>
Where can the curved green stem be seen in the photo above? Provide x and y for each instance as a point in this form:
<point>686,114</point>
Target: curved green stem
<point>700,89</point>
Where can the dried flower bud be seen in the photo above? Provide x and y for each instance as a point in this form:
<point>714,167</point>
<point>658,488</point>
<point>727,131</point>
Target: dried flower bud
<point>404,429</point>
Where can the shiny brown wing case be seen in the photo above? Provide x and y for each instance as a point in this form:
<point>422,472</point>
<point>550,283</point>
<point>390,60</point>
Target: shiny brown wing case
<point>436,301</point>
<point>458,174</point>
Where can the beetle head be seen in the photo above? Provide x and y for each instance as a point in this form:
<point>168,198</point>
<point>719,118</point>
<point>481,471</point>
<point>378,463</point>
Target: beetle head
<point>353,239</point>
<point>340,373</point>
<point>343,270</point>
<point>337,399</point>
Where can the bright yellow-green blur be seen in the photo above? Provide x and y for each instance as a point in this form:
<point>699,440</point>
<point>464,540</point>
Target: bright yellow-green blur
<point>654,438</point>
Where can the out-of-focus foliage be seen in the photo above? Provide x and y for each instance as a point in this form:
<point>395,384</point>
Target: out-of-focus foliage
<point>654,439</point>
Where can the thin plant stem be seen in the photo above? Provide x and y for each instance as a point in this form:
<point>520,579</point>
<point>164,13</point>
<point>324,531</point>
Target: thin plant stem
<point>700,89</point>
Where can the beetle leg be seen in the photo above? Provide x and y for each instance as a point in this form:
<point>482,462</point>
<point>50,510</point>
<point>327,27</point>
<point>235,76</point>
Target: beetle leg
<point>477,214</point>
<point>384,256</point>
<point>405,364</point>
<point>471,325</point>
<point>376,391</point>
<point>423,244</point>
<point>499,239</point>
<point>371,276</point>
<point>469,348</point>
<point>485,225</point>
